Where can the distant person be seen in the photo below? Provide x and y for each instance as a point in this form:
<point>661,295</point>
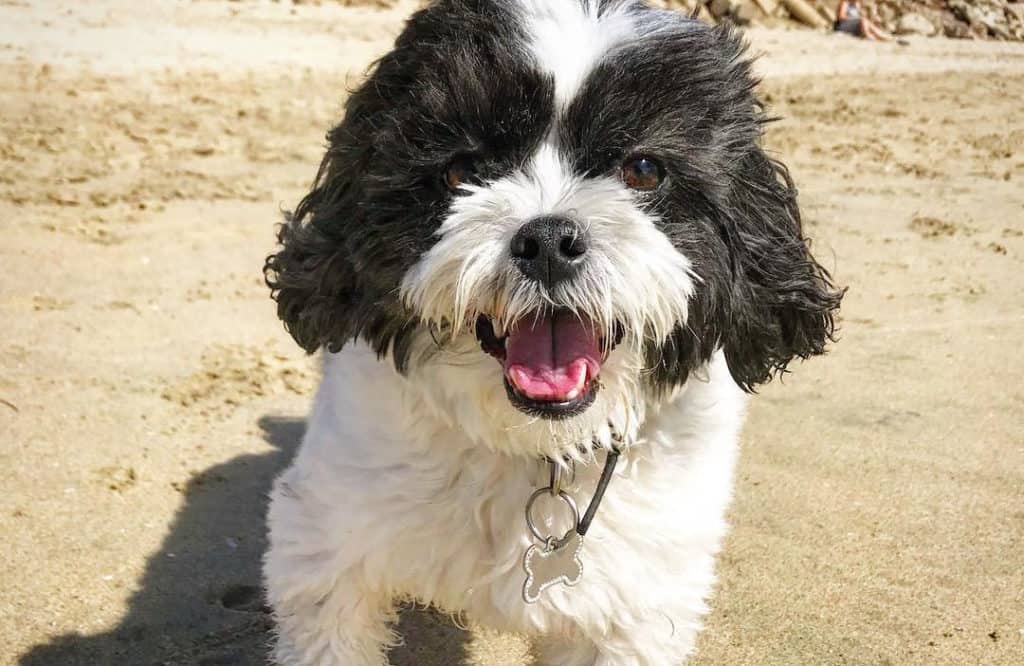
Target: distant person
<point>850,19</point>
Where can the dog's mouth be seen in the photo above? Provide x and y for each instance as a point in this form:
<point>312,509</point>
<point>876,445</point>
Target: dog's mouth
<point>551,361</point>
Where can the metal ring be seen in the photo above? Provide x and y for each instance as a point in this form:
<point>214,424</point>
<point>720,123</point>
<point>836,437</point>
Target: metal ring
<point>529,511</point>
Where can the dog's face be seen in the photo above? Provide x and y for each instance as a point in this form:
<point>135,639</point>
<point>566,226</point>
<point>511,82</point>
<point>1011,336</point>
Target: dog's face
<point>549,214</point>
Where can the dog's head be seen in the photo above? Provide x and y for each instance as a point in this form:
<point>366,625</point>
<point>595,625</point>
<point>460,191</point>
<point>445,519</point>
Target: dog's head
<point>549,214</point>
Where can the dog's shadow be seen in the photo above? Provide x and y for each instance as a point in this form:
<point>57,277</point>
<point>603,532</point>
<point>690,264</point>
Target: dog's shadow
<point>200,601</point>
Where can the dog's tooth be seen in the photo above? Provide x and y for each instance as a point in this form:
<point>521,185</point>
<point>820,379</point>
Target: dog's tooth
<point>499,327</point>
<point>514,378</point>
<point>578,389</point>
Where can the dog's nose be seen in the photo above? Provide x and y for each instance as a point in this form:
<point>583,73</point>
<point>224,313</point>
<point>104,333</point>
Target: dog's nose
<point>550,249</point>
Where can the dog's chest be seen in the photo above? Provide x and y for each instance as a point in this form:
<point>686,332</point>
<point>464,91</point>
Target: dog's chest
<point>478,567</point>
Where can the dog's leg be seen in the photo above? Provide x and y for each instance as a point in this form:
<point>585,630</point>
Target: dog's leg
<point>329,620</point>
<point>348,625</point>
<point>328,608</point>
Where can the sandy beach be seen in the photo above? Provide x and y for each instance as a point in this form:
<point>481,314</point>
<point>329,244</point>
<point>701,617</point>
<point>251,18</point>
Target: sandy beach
<point>149,395</point>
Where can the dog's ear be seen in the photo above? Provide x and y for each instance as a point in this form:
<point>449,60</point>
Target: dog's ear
<point>780,303</point>
<point>334,275</point>
<point>763,299</point>
<point>320,276</point>
<point>760,296</point>
<point>311,276</point>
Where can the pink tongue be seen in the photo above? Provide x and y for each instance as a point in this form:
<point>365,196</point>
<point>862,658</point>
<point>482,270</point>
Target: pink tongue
<point>552,358</point>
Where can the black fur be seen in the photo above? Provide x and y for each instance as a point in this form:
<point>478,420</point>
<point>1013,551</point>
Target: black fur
<point>457,84</point>
<point>765,302</point>
<point>687,97</point>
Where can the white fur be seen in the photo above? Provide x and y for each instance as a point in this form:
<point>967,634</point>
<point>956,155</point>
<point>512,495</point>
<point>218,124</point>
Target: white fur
<point>389,499</point>
<point>469,271</point>
<point>413,487</point>
<point>570,37</point>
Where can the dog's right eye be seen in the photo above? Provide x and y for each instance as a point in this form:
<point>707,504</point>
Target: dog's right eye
<point>460,171</point>
<point>642,173</point>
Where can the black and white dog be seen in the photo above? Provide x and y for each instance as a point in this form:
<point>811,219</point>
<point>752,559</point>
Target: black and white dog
<point>543,231</point>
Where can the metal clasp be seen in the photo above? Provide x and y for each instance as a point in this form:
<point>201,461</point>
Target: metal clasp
<point>555,473</point>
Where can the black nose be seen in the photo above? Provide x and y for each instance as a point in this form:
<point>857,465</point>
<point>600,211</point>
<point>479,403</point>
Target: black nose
<point>550,249</point>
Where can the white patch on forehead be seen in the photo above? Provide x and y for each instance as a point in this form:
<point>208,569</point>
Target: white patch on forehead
<point>569,37</point>
<point>547,185</point>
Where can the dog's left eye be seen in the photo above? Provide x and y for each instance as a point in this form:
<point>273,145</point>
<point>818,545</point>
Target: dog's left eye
<point>642,173</point>
<point>460,171</point>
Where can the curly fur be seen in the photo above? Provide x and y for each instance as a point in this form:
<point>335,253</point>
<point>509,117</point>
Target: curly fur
<point>412,477</point>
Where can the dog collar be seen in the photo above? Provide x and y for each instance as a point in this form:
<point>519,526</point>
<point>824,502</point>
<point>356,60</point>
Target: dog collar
<point>557,560</point>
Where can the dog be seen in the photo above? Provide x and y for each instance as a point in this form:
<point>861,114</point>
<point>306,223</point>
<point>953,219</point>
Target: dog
<point>544,252</point>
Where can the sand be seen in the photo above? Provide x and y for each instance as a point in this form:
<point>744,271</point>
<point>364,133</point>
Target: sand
<point>148,394</point>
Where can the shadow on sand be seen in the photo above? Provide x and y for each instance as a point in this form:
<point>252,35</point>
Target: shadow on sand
<point>200,601</point>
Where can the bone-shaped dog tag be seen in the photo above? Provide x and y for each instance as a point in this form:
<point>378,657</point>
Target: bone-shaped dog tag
<point>551,564</point>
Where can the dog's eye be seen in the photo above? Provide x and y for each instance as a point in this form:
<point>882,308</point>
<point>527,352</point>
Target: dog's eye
<point>642,173</point>
<point>460,171</point>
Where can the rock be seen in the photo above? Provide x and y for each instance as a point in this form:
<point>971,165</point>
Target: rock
<point>1015,12</point>
<point>745,13</point>
<point>719,8</point>
<point>914,24</point>
<point>977,31</point>
<point>803,11</point>
<point>981,17</point>
<point>958,19</point>
<point>1000,32</point>
<point>954,28</point>
<point>825,11</point>
<point>960,10</point>
<point>769,7</point>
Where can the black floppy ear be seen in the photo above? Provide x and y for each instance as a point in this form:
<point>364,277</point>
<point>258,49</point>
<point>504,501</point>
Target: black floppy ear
<point>326,293</point>
<point>311,277</point>
<point>781,303</point>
